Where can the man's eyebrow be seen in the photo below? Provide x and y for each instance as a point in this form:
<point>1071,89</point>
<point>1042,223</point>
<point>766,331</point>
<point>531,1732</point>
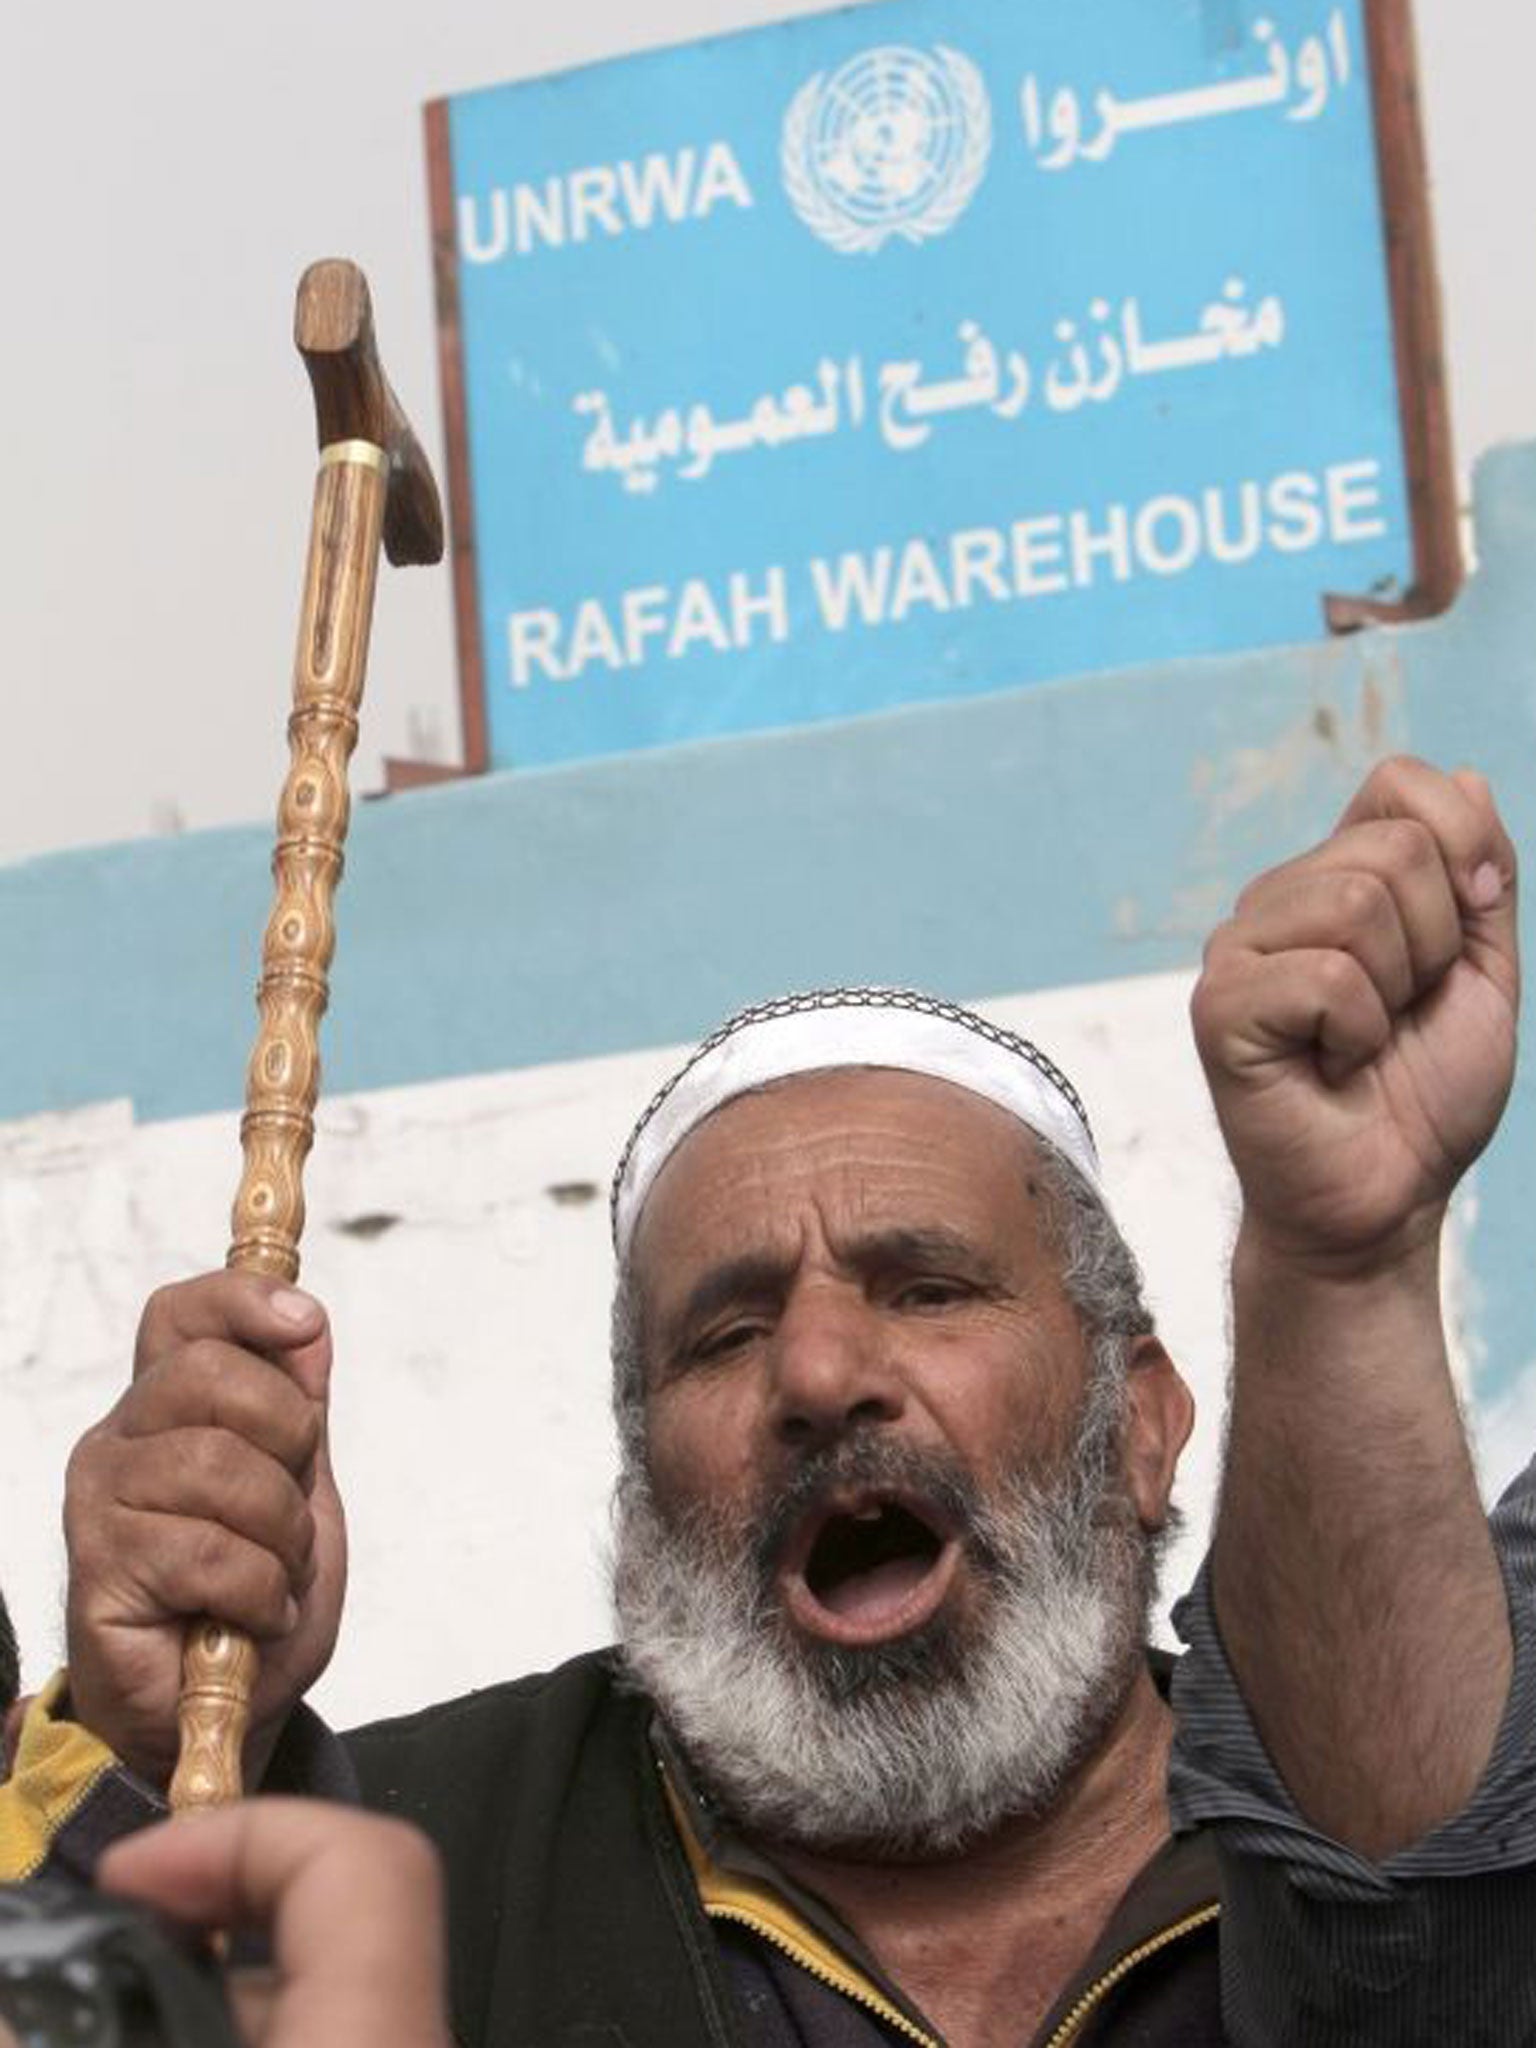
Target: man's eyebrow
<point>925,1248</point>
<point>759,1277</point>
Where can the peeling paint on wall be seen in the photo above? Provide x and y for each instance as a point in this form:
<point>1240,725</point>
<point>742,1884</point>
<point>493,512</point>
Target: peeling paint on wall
<point>1325,750</point>
<point>459,1237</point>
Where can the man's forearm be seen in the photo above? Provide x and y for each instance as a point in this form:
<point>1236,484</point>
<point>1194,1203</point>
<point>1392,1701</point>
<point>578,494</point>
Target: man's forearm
<point>1357,1592</point>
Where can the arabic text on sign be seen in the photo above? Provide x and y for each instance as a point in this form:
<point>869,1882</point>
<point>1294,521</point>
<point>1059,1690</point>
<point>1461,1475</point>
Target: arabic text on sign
<point>1299,82</point>
<point>1092,361</point>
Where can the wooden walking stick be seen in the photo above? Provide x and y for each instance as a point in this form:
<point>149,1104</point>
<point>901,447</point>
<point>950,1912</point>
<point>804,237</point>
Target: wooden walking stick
<point>373,481</point>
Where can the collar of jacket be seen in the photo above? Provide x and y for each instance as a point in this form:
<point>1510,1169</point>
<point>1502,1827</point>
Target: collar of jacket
<point>1174,1894</point>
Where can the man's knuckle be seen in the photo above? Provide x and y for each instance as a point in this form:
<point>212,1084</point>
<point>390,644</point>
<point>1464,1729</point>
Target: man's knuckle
<point>1409,844</point>
<point>295,1427</point>
<point>1210,1008</point>
<point>209,1551</point>
<point>202,1361</point>
<point>1364,900</point>
<point>159,1310</point>
<point>83,1467</point>
<point>1340,976</point>
<point>1394,770</point>
<point>1243,903</point>
<point>270,1593</point>
<point>217,1460</point>
<point>88,1526</point>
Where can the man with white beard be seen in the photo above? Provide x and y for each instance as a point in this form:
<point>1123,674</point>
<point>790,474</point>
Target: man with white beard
<point>910,1742</point>
<point>884,1756</point>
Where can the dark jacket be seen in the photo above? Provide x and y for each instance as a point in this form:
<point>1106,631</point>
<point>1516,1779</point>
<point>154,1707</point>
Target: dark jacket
<point>575,1920</point>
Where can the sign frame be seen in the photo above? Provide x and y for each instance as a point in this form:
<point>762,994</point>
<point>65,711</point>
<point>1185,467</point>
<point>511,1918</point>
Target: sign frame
<point>1418,360</point>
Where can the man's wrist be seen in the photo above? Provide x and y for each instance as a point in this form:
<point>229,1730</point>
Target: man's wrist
<point>1267,1258</point>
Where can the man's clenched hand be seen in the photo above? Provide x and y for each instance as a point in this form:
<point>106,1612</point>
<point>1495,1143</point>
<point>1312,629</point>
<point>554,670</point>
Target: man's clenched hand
<point>206,1490</point>
<point>1356,1020</point>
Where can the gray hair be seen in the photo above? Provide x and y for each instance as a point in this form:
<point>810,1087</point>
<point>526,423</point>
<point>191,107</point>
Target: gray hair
<point>1099,1274</point>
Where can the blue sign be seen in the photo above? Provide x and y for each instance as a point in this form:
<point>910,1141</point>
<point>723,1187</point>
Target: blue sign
<point>916,350</point>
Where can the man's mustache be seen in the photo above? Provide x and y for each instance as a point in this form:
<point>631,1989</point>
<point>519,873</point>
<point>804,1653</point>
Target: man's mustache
<point>862,1460</point>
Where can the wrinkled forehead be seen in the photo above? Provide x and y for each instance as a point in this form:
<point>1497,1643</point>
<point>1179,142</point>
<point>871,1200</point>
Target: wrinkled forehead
<point>837,1030</point>
<point>857,1164</point>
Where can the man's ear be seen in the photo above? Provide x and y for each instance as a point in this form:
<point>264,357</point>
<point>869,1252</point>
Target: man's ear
<point>1160,1412</point>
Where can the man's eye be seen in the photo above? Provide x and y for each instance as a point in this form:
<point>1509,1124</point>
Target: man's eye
<point>930,1293</point>
<point>720,1343</point>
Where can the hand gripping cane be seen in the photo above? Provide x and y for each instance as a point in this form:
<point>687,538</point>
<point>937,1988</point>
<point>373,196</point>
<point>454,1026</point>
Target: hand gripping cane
<point>373,480</point>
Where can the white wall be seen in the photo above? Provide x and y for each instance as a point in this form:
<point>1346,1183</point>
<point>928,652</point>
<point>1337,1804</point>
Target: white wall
<point>471,1429</point>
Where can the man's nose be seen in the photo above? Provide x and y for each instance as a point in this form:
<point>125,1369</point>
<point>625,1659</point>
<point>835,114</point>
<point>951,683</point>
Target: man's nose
<point>832,1368</point>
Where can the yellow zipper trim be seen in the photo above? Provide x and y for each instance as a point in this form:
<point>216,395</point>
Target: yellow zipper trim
<point>1102,1986</point>
<point>725,1896</point>
<point>858,1989</point>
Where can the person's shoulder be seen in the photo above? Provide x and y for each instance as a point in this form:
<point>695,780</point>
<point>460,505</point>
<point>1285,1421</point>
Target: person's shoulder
<point>572,1691</point>
<point>483,1769</point>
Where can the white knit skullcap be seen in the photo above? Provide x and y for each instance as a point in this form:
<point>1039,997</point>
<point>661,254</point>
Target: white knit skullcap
<point>851,1027</point>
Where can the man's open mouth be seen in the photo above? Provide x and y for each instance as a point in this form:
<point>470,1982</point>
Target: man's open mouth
<point>867,1566</point>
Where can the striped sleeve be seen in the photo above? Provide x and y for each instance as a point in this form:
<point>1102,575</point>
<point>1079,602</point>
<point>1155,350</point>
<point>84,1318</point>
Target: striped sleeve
<point>1322,1948</point>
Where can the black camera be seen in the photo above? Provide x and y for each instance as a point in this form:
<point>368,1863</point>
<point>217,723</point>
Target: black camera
<point>78,1970</point>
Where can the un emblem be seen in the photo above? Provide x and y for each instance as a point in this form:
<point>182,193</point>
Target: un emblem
<point>894,142</point>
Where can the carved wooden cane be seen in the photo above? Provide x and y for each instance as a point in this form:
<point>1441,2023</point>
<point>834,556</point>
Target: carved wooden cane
<point>373,479</point>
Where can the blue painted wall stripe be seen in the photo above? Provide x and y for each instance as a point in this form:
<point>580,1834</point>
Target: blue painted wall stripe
<point>1038,838</point>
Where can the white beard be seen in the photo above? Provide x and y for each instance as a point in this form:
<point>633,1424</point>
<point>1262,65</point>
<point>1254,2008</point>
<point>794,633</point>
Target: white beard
<point>909,1750</point>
